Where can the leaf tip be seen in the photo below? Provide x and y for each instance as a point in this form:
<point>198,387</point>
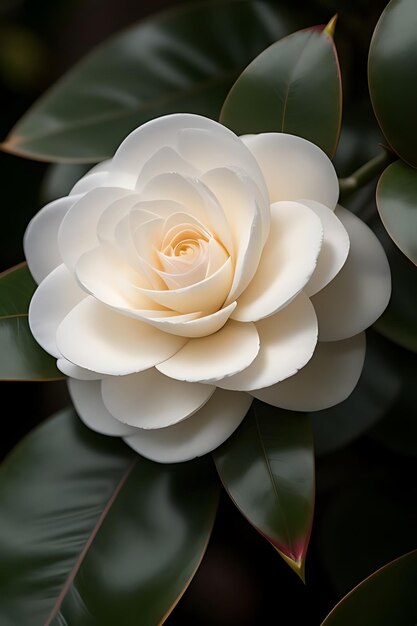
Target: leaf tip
<point>331,26</point>
<point>297,565</point>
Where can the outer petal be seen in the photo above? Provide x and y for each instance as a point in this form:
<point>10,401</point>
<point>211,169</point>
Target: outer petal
<point>327,379</point>
<point>73,371</point>
<point>86,396</point>
<point>99,339</point>
<point>361,290</point>
<point>40,242</point>
<point>152,400</point>
<point>294,168</point>
<point>78,230</point>
<point>334,251</point>
<point>210,359</point>
<point>197,435</point>
<point>287,263</point>
<point>288,339</point>
<point>199,140</point>
<point>55,297</point>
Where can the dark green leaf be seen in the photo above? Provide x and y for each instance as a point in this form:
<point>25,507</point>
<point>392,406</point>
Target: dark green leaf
<point>21,358</point>
<point>398,322</point>
<point>60,179</point>
<point>392,77</point>
<point>267,467</point>
<point>294,87</point>
<point>184,60</point>
<point>396,198</point>
<point>373,397</point>
<point>92,534</point>
<point>386,598</point>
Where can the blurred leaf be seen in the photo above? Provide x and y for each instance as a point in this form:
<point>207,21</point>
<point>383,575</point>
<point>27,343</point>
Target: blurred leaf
<point>392,76</point>
<point>398,322</point>
<point>373,397</point>
<point>60,178</point>
<point>183,60</point>
<point>295,87</point>
<point>21,358</point>
<point>93,534</point>
<point>396,199</point>
<point>386,598</point>
<point>267,467</point>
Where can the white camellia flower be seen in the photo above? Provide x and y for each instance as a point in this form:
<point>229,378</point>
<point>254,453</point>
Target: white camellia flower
<point>196,270</point>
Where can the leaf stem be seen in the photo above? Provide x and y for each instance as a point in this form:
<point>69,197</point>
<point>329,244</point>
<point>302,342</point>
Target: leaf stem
<point>365,174</point>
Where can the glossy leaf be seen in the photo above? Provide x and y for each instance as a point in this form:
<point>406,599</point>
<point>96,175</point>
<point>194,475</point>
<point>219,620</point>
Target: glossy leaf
<point>267,467</point>
<point>94,535</point>
<point>294,87</point>
<point>392,74</point>
<point>396,198</point>
<point>183,60</point>
<point>376,392</point>
<point>398,322</point>
<point>21,358</point>
<point>387,597</point>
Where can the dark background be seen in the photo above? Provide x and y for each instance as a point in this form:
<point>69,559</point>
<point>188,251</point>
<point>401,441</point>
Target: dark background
<point>366,510</point>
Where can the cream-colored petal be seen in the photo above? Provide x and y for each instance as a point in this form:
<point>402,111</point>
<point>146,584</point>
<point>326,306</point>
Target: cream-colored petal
<point>288,340</point>
<point>73,371</point>
<point>190,324</point>
<point>203,432</point>
<point>327,379</point>
<point>287,262</point>
<point>113,214</point>
<point>249,224</point>
<point>99,339</point>
<point>55,297</point>
<point>86,396</point>
<point>166,159</point>
<point>152,400</point>
<point>209,359</point>
<point>334,251</point>
<point>78,231</point>
<point>209,294</point>
<point>40,242</point>
<point>294,168</point>
<point>361,290</point>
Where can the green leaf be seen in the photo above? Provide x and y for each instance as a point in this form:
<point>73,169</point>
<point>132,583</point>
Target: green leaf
<point>294,87</point>
<point>373,397</point>
<point>398,322</point>
<point>21,358</point>
<point>183,60</point>
<point>59,179</point>
<point>92,534</point>
<point>267,467</point>
<point>392,74</point>
<point>387,597</point>
<point>396,198</point>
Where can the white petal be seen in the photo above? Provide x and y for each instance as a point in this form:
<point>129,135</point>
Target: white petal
<point>78,231</point>
<point>165,159</point>
<point>209,294</point>
<point>248,224</point>
<point>99,339</point>
<point>40,242</point>
<point>55,297</point>
<point>361,290</point>
<point>294,168</point>
<point>210,359</point>
<point>334,251</point>
<point>86,396</point>
<point>287,263</point>
<point>202,142</point>
<point>113,214</point>
<point>288,339</point>
<point>189,324</point>
<point>73,371</point>
<point>203,432</point>
<point>152,400</point>
<point>327,379</point>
